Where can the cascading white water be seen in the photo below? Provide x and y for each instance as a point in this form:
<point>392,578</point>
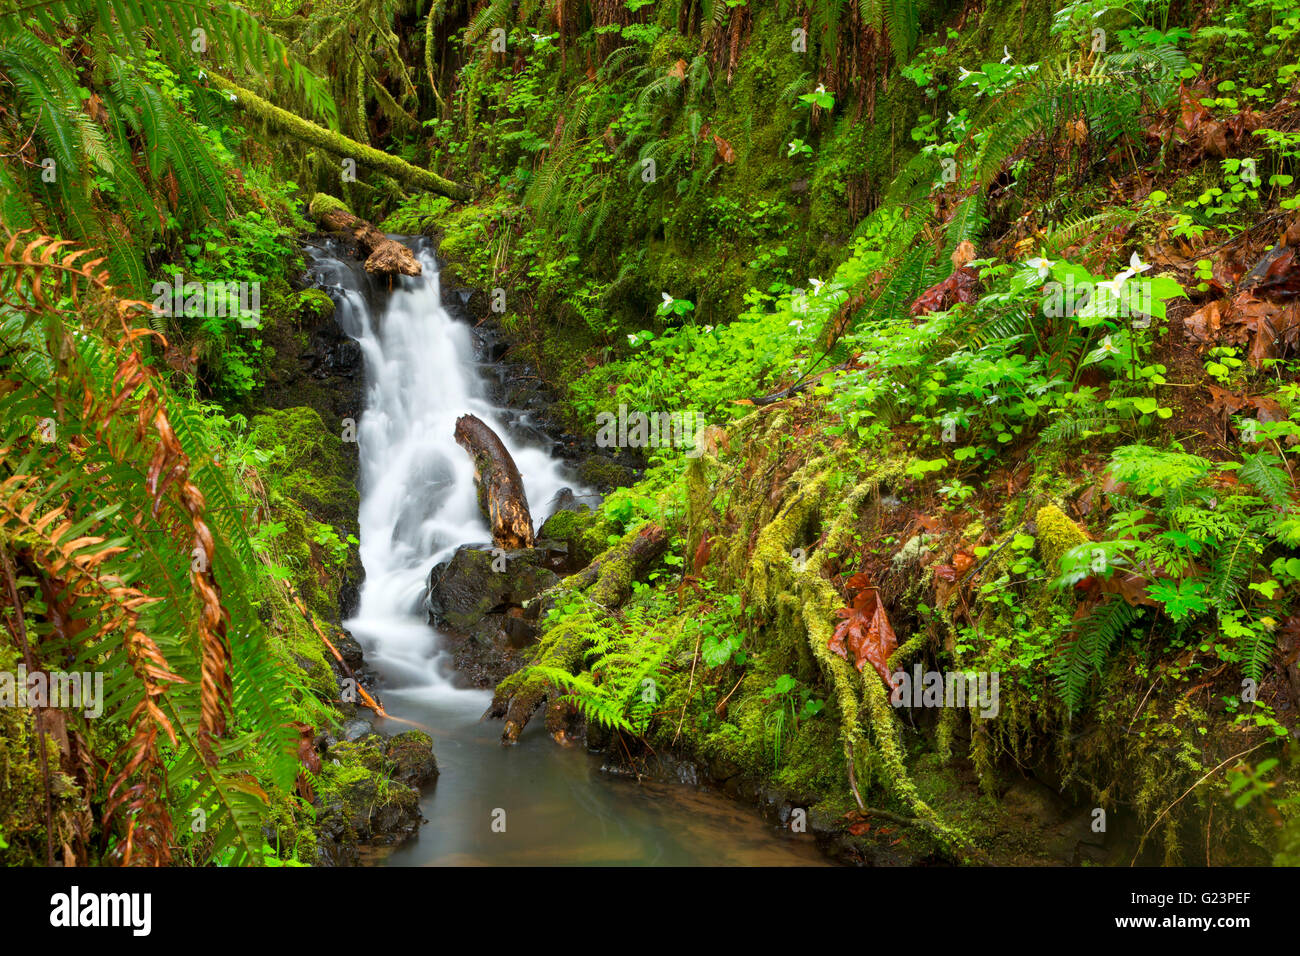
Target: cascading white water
<point>418,501</point>
<point>418,504</point>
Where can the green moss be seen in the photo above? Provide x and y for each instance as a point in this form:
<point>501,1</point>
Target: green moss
<point>605,475</point>
<point>585,531</point>
<point>307,464</point>
<point>314,304</point>
<point>22,783</point>
<point>1057,534</point>
<point>323,203</point>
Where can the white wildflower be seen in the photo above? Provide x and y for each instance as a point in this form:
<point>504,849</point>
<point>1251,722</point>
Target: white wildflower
<point>1042,265</point>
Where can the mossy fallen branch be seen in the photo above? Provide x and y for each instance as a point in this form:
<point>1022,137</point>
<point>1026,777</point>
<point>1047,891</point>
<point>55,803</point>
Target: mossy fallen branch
<point>384,256</point>
<point>288,123</point>
<point>607,584</point>
<point>500,488</point>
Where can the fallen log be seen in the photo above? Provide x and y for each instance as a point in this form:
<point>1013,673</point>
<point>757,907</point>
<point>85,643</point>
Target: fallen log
<point>384,256</point>
<point>607,584</point>
<point>501,496</point>
<point>308,132</point>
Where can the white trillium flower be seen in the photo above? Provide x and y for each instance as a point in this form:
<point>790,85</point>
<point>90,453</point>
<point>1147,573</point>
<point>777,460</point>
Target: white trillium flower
<point>1108,346</point>
<point>821,87</point>
<point>817,285</point>
<point>1113,285</point>
<point>797,324</point>
<point>234,98</point>
<point>1043,266</point>
<point>668,300</point>
<point>631,340</point>
<point>203,75</point>
<point>962,72</point>
<point>1137,265</point>
<point>1006,55</point>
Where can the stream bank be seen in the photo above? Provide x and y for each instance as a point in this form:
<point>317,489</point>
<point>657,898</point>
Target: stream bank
<point>485,638</point>
<point>418,508</point>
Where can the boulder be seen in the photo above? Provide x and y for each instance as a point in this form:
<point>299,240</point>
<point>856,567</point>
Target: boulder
<point>477,582</point>
<point>487,654</point>
<point>411,754</point>
<point>583,532</point>
<point>356,729</point>
<point>367,792</point>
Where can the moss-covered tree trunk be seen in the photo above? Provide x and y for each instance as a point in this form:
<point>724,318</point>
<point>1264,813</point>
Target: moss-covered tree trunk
<point>410,176</point>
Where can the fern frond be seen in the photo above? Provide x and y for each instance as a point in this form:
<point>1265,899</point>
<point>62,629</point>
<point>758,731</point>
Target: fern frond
<point>1231,570</point>
<point>1264,471</point>
<point>1085,654</point>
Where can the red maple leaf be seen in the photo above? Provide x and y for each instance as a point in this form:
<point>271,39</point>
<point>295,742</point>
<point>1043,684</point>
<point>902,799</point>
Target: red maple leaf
<point>864,634</point>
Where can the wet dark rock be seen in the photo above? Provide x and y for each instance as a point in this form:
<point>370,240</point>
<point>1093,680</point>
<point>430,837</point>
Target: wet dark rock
<point>564,500</point>
<point>350,648</point>
<point>486,654</point>
<point>336,838</point>
<point>349,597</point>
<point>822,821</point>
<point>556,555</point>
<point>356,729</point>
<point>477,582</point>
<point>518,628</point>
<point>723,768</point>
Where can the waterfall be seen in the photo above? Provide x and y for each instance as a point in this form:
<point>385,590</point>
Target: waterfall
<point>418,501</point>
<point>418,504</point>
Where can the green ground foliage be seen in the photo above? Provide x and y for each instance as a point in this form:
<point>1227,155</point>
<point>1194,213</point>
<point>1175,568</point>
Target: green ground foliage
<point>848,237</point>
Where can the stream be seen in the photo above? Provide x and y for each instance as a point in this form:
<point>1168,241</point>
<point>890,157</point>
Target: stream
<point>535,803</point>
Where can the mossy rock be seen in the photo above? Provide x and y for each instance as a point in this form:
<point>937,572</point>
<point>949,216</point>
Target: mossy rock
<point>605,474</point>
<point>412,758</point>
<point>313,305</point>
<point>476,581</point>
<point>360,800</point>
<point>307,462</point>
<point>586,532</point>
